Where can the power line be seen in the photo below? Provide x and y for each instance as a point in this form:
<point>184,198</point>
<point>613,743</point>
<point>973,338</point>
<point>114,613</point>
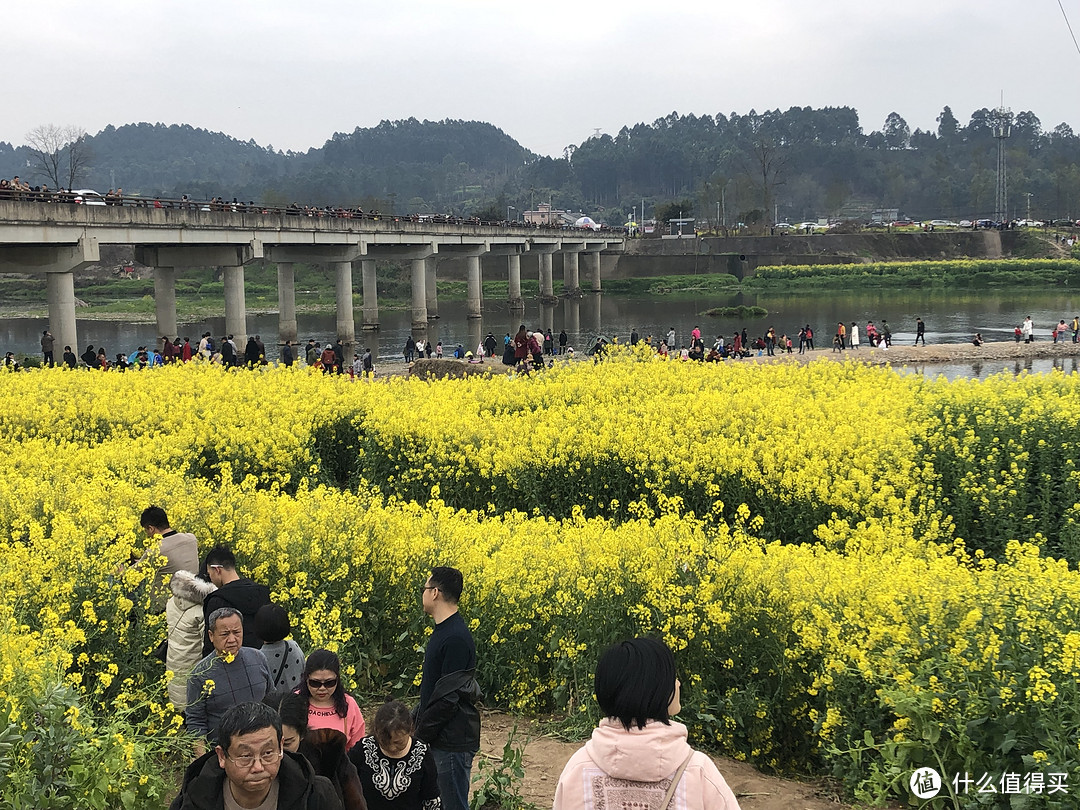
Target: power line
<point>1069,26</point>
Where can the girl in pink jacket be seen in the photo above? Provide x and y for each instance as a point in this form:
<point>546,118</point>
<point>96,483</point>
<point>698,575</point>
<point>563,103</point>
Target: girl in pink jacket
<point>636,753</point>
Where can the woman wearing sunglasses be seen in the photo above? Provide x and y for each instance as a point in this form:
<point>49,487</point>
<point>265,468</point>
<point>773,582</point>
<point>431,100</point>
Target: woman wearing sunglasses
<point>328,704</point>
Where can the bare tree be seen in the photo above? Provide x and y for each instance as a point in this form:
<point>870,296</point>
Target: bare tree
<point>61,153</point>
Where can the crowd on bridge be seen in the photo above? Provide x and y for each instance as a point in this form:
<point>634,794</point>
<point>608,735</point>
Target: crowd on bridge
<point>18,189</point>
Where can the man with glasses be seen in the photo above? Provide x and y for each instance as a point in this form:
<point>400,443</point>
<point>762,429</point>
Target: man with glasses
<point>231,674</point>
<point>249,769</point>
<point>447,718</point>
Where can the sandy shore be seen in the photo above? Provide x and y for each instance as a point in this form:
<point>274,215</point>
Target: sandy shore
<point>897,355</point>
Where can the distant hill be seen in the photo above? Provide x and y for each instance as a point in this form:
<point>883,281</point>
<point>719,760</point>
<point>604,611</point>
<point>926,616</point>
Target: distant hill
<point>432,164</point>
<point>759,168</point>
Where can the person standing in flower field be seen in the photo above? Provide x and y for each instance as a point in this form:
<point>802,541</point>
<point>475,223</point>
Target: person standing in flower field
<point>639,756</point>
<point>249,768</point>
<point>231,674</point>
<point>447,718</point>
<point>233,591</point>
<point>367,364</point>
<point>47,343</point>
<point>397,772</point>
<point>180,550</point>
<point>284,655</point>
<point>184,615</point>
<point>329,705</point>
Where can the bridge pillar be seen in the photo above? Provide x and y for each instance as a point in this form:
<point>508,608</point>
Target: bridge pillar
<point>431,297</point>
<point>60,292</point>
<point>594,275</point>
<point>570,273</point>
<point>547,290</point>
<point>286,291</point>
<point>371,295</point>
<point>475,286</point>
<point>59,263</point>
<point>419,294</point>
<point>346,326</point>
<point>165,302</point>
<point>513,264</point>
<point>235,305</point>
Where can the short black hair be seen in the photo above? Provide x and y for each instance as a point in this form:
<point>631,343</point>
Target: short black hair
<point>291,708</point>
<point>244,718</point>
<point>635,681</point>
<point>449,582</point>
<point>223,556</point>
<point>392,718</point>
<point>154,516</point>
<point>272,623</point>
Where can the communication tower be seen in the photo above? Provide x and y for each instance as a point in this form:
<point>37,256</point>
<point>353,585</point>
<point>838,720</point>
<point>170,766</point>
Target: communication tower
<point>1002,129</point>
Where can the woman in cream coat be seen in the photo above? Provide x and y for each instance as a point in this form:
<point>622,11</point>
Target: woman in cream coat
<point>184,614</point>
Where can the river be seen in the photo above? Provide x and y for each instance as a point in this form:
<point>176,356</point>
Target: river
<point>951,316</point>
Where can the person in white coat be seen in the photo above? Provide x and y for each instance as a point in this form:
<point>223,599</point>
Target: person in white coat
<point>184,614</point>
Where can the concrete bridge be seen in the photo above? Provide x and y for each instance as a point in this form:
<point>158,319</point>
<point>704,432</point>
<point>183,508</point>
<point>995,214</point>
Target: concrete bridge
<point>58,239</point>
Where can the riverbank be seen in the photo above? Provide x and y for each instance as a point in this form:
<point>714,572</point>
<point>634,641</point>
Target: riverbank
<point>896,356</point>
<point>935,353</point>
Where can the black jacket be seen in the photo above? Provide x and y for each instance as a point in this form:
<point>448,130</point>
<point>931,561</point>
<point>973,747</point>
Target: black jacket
<point>244,595</point>
<point>450,721</point>
<point>299,788</point>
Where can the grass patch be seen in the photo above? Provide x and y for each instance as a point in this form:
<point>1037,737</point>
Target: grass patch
<point>741,312</point>
<point>654,286</point>
<point>957,273</point>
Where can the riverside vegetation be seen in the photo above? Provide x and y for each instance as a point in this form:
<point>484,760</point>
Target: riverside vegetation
<point>855,591</point>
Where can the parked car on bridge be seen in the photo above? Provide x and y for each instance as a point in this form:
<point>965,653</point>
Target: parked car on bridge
<point>87,196</point>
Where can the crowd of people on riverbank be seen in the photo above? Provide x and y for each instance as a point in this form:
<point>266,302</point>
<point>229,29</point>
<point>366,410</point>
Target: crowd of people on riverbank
<point>222,351</point>
<point>845,337</point>
<point>524,351</point>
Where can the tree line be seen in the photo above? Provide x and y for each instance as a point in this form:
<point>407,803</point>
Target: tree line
<point>798,164</point>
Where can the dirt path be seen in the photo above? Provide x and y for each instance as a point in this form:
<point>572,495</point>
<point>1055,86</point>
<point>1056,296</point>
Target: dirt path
<point>545,756</point>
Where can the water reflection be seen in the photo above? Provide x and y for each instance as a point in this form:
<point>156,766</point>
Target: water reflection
<point>572,316</point>
<point>951,317</point>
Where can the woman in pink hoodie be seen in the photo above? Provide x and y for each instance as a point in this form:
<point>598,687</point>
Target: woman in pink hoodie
<point>635,754</point>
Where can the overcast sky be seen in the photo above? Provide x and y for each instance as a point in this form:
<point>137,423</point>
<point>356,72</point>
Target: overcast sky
<point>291,73</point>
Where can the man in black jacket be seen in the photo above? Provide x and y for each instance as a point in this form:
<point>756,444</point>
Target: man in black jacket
<point>447,718</point>
<point>232,591</point>
<point>251,766</point>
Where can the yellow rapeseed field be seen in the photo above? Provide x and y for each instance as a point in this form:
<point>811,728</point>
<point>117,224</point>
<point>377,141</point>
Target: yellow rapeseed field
<point>862,572</point>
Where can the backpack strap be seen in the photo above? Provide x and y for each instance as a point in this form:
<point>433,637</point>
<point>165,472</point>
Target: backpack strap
<point>675,781</point>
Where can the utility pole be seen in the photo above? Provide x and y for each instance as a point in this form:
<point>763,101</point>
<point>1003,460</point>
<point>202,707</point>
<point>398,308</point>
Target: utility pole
<point>1002,131</point>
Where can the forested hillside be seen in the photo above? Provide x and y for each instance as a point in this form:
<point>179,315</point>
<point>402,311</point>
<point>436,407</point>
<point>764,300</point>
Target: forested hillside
<point>759,168</point>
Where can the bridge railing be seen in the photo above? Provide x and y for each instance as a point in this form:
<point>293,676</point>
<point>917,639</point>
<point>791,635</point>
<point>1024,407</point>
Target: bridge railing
<point>219,205</point>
